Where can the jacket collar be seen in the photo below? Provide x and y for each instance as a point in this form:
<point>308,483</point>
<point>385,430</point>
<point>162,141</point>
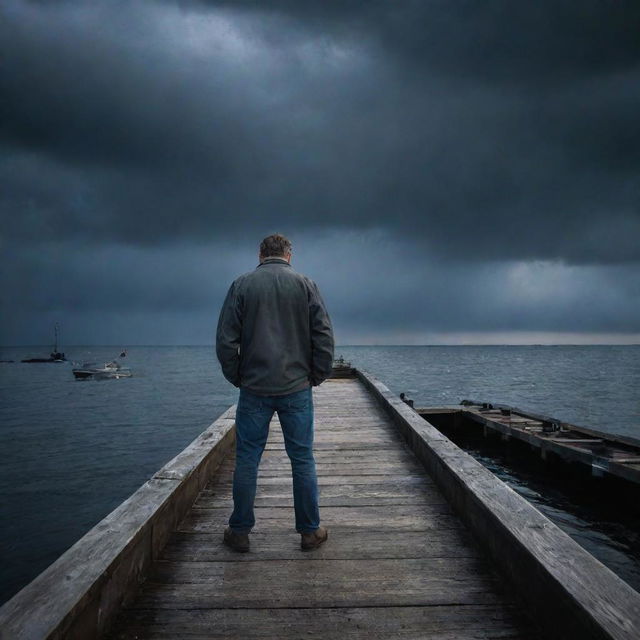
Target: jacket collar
<point>275,260</point>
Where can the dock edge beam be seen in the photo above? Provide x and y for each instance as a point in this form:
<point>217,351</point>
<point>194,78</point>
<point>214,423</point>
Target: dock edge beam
<point>570,593</point>
<point>78,596</point>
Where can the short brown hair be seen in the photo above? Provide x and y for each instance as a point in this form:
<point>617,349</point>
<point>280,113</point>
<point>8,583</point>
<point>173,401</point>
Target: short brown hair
<point>275,245</point>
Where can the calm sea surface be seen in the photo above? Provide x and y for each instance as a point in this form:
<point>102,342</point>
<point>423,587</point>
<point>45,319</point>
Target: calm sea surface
<point>73,450</point>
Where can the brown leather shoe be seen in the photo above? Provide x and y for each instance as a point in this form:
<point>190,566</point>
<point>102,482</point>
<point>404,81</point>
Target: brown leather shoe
<point>314,539</point>
<point>237,541</point>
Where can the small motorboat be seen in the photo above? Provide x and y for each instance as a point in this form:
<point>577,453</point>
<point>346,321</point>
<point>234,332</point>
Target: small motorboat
<point>111,369</point>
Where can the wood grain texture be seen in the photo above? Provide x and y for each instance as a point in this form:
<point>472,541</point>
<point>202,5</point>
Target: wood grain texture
<point>443,543</point>
<point>398,562</point>
<point>445,622</point>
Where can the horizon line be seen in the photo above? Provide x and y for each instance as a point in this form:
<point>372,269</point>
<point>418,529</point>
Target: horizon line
<point>344,346</point>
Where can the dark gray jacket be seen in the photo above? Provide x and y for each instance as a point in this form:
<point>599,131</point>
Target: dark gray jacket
<point>274,334</point>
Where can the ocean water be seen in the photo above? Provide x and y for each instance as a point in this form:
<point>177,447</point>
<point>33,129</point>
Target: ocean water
<point>73,450</point>
<point>594,386</point>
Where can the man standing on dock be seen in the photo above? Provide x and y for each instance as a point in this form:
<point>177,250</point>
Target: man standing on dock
<point>275,342</point>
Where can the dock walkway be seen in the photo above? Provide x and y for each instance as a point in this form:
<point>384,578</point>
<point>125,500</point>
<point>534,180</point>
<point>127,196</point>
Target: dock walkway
<point>398,562</point>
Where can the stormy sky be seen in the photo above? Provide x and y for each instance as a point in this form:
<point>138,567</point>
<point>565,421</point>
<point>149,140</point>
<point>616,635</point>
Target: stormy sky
<point>448,171</point>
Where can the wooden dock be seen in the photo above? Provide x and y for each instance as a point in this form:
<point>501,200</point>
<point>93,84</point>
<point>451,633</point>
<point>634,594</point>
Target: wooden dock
<point>398,562</point>
<point>601,453</point>
<point>424,542</point>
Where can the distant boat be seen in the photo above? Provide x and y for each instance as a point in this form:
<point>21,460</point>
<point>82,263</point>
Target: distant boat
<point>55,355</point>
<point>109,370</point>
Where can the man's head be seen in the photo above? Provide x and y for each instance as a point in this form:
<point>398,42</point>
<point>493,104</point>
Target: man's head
<point>275,246</point>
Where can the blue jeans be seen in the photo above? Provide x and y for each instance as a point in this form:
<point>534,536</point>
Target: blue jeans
<point>253,415</point>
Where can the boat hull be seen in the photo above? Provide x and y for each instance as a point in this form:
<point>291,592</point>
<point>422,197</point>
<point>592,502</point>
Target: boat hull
<point>97,374</point>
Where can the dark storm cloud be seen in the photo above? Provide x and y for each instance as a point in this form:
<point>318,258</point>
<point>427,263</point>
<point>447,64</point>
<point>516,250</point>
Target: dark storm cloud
<point>441,166</point>
<point>492,130</point>
<point>545,41</point>
<point>376,288</point>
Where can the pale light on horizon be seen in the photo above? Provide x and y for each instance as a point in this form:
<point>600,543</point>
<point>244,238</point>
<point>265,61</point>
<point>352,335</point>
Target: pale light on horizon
<point>491,338</point>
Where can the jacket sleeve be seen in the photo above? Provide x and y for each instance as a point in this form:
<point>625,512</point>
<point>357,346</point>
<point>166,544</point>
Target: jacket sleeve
<point>228,336</point>
<point>321,337</point>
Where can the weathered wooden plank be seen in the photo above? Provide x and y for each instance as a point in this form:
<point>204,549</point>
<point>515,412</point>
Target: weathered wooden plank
<point>320,583</point>
<point>345,543</point>
<point>334,591</point>
<point>345,431</point>
<point>419,517</point>
<point>400,453</point>
<point>351,441</point>
<point>362,495</point>
<point>346,438</point>
<point>576,440</point>
<point>347,492</point>
<point>379,623</point>
<point>332,501</point>
<point>417,481</point>
<point>335,490</point>
<point>282,466</point>
<point>598,451</point>
<point>340,446</point>
<point>265,574</point>
<point>346,428</point>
